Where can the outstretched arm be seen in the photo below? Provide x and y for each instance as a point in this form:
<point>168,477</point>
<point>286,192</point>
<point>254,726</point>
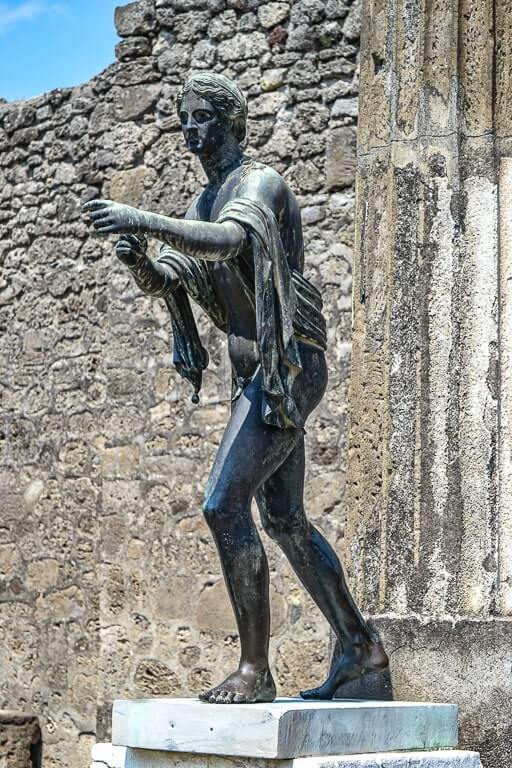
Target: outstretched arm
<point>199,239</point>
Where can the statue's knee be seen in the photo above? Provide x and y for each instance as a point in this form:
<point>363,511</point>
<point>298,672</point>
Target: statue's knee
<point>286,528</point>
<point>275,529</point>
<point>216,512</point>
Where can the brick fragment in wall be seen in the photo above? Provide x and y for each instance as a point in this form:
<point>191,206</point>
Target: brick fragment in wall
<point>106,460</point>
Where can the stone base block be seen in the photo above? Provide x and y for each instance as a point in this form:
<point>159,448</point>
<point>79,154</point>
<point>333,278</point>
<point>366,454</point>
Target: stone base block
<point>107,756</point>
<point>286,728</point>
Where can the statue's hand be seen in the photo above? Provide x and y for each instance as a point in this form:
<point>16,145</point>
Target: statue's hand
<point>131,248</point>
<point>113,218</point>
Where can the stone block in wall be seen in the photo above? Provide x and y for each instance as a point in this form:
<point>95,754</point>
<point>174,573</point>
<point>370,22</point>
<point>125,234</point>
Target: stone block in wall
<point>223,26</point>
<point>244,5</point>
<point>340,157</point>
<point>352,25</point>
<point>132,48</point>
<point>271,14</point>
<point>173,59</point>
<point>191,26</point>
<point>273,79</point>
<point>20,740</point>
<point>269,103</point>
<point>243,46</point>
<point>128,186</point>
<point>345,107</point>
<point>133,102</point>
<point>22,117</point>
<point>135,18</point>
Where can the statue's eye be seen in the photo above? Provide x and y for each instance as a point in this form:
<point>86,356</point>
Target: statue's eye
<point>183,117</point>
<point>202,115</point>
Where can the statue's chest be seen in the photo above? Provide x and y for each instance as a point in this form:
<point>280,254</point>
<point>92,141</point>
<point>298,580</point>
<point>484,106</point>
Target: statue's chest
<point>236,297</point>
<point>212,201</point>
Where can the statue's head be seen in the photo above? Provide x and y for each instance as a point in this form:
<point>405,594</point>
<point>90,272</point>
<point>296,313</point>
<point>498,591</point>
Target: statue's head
<point>211,109</point>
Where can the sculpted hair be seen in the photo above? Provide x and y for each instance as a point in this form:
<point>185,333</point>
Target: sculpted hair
<point>223,94</point>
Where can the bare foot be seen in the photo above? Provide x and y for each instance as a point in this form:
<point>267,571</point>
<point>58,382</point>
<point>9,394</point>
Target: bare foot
<point>245,686</point>
<point>366,659</point>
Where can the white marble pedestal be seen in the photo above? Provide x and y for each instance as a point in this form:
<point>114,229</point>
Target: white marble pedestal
<point>108,756</point>
<point>289,733</point>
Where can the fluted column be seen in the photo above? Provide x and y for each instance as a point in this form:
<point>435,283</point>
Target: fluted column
<point>429,531</point>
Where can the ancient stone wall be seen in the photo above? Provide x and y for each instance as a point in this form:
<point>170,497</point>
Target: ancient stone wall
<point>109,582</point>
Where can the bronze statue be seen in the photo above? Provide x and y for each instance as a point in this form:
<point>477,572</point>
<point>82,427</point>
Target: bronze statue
<point>239,254</point>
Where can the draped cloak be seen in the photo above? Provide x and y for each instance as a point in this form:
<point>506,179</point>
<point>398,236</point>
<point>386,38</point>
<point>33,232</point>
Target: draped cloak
<point>286,306</point>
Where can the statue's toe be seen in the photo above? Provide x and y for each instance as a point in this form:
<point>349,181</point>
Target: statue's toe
<point>309,694</point>
<point>315,694</point>
<point>239,698</point>
<point>205,696</point>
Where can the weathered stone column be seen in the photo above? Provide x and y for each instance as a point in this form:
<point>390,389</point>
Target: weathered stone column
<point>430,520</point>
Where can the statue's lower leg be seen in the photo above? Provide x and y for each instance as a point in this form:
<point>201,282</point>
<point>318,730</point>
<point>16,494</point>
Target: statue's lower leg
<point>280,500</point>
<point>246,574</point>
<point>319,569</point>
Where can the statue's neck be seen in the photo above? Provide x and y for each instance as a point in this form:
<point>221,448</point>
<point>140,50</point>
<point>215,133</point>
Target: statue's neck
<point>219,165</point>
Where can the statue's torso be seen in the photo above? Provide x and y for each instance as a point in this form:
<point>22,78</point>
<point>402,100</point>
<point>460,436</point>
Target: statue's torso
<point>261,183</point>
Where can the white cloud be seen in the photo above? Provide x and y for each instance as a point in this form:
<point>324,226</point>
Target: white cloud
<point>11,15</point>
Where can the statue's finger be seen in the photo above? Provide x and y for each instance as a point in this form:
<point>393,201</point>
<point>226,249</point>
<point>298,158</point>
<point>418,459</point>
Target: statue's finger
<point>93,205</point>
<point>97,215</point>
<point>100,223</point>
<point>106,230</point>
<point>135,240</point>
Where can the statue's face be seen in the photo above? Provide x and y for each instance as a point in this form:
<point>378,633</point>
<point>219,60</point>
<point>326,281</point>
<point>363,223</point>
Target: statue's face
<point>203,129</point>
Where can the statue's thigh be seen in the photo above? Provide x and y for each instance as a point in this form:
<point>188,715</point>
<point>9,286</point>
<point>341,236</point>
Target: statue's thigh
<point>250,450</point>
<point>280,497</point>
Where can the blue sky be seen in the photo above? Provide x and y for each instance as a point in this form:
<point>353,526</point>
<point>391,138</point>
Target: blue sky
<point>46,44</point>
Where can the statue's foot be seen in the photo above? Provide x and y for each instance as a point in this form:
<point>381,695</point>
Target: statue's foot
<point>245,686</point>
<point>366,659</point>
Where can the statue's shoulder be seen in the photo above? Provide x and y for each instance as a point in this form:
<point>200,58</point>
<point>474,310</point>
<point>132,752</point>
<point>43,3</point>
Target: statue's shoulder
<point>257,176</point>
